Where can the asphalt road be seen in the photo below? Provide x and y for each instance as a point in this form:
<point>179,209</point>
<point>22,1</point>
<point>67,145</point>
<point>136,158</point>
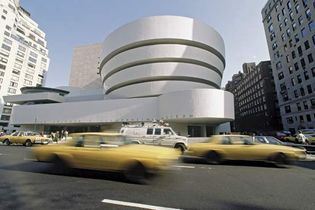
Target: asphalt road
<point>26,184</point>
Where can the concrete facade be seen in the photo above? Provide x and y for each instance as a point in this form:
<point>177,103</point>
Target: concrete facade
<point>84,66</point>
<point>156,68</point>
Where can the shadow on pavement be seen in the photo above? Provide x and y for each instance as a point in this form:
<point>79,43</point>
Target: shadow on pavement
<point>304,164</point>
<point>50,169</point>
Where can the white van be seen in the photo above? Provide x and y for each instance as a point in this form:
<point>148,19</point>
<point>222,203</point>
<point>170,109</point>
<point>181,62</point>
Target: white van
<point>154,134</point>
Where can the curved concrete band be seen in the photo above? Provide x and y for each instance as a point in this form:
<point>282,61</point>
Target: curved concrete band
<point>142,57</point>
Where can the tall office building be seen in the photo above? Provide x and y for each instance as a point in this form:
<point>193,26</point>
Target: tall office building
<point>23,54</point>
<point>256,106</point>
<point>290,33</point>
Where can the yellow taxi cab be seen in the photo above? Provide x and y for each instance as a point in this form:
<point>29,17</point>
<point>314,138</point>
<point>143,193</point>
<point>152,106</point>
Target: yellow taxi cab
<point>241,147</point>
<point>108,152</point>
<point>27,138</point>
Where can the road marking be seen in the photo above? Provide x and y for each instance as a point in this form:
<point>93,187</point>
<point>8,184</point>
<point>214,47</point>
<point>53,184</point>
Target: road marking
<point>178,166</point>
<point>3,154</point>
<point>138,205</point>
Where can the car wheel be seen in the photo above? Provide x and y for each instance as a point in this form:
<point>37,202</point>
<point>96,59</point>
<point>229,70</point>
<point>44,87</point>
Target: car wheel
<point>7,142</point>
<point>59,165</point>
<point>136,173</point>
<point>281,160</point>
<point>213,157</point>
<point>28,143</point>
<point>180,147</point>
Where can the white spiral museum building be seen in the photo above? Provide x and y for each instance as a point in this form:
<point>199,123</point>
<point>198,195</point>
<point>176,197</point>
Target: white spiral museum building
<point>156,68</point>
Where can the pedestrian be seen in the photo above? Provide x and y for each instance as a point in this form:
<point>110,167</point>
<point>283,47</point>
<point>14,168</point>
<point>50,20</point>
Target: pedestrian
<point>301,138</point>
<point>66,134</point>
<point>57,136</point>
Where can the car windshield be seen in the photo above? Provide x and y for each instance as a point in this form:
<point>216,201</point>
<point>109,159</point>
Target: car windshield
<point>273,140</point>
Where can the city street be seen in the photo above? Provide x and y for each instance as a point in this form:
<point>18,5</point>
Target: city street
<point>26,184</point>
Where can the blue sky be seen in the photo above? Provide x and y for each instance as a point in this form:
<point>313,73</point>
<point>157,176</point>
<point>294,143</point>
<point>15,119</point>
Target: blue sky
<point>71,23</point>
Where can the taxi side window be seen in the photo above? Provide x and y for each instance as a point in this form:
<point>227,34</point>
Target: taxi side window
<point>91,141</point>
<point>226,140</point>
<point>157,131</point>
<point>236,140</point>
<point>150,131</point>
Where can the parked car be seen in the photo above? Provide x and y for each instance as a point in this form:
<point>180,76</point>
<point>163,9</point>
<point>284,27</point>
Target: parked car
<point>27,138</point>
<point>310,138</point>
<point>155,134</point>
<point>108,152</point>
<point>273,140</point>
<point>242,147</point>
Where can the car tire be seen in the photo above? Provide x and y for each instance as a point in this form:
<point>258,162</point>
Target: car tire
<point>280,160</point>
<point>28,143</point>
<point>213,158</point>
<point>59,165</point>
<point>180,147</point>
<point>136,173</point>
<point>7,142</point>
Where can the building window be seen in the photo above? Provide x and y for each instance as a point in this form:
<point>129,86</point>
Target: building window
<point>23,49</point>
<point>297,8</point>
<point>296,95</point>
<point>310,58</point>
<point>288,58</point>
<point>280,76</point>
<point>301,118</point>
<point>304,32</point>
<point>307,45</point>
<point>292,82</point>
<point>13,84</point>
<point>279,65</point>
<point>6,47</point>
<point>274,45</point>
<point>28,76</point>
<point>302,91</point>
<point>300,51</point>
<point>306,76</point>
<point>290,69</point>
<point>287,109</point>
<point>2,66</point>
<point>299,78</point>
<point>289,5</point>
<point>305,105</point>
<point>308,14</point>
<point>27,82</point>
<point>311,26</point>
<point>288,32</point>
<point>313,103</point>
<point>301,20</point>
<point>290,120</point>
<point>296,37</point>
<point>296,66</point>
<point>308,118</point>
<point>11,90</point>
<point>309,89</point>
<point>298,106</point>
<point>303,64</point>
<point>313,72</point>
<point>270,28</point>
